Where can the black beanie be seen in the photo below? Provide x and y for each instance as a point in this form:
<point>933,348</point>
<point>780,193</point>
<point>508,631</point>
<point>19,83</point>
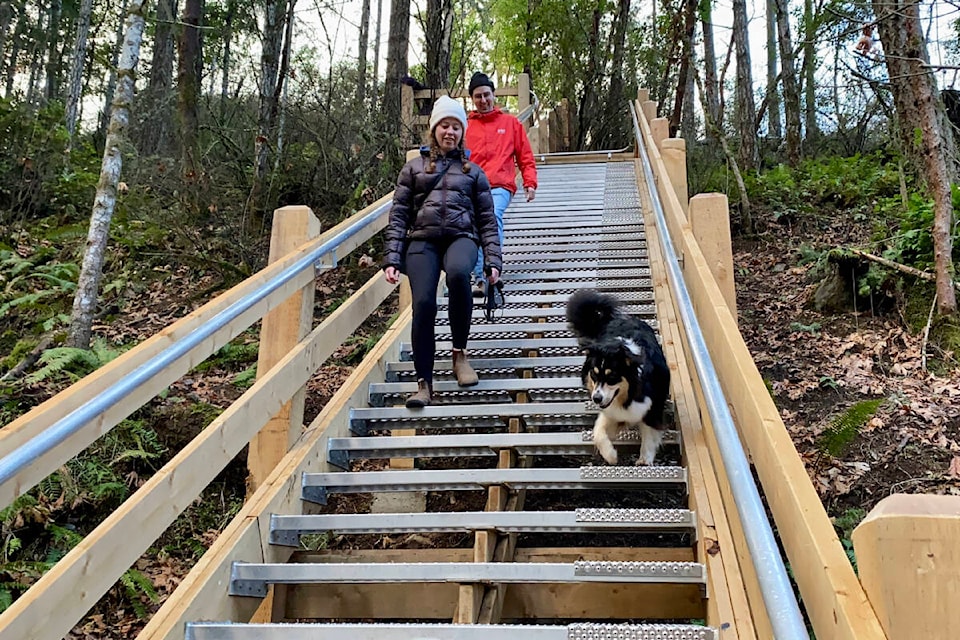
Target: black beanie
<point>480,79</point>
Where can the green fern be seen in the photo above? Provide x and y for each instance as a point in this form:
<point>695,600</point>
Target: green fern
<point>72,361</point>
<point>136,586</point>
<point>846,426</point>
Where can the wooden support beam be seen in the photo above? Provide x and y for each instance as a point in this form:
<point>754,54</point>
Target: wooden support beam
<point>909,564</point>
<point>280,331</point>
<point>649,109</point>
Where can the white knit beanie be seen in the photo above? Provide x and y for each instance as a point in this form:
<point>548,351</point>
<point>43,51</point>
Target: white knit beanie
<point>447,107</point>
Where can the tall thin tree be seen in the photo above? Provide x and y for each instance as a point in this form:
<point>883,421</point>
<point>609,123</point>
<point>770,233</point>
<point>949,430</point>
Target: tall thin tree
<point>362,53</point>
<point>112,79</point>
<point>745,107</point>
<point>376,59</point>
<point>157,99</point>
<point>791,91</point>
<point>77,61</point>
<point>809,69</point>
<point>91,271</point>
<point>774,128</point>
<point>189,66</point>
<point>397,45</point>
<point>711,97</point>
<point>225,61</point>
<point>437,35</point>
<point>52,86</point>
<point>271,46</point>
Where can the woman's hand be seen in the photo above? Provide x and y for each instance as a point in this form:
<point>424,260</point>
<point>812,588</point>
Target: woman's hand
<point>392,275</point>
<point>494,275</point>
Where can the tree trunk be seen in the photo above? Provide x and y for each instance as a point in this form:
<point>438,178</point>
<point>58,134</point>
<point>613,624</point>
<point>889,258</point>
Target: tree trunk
<point>281,94</point>
<point>6,16</point>
<point>10,71</point>
<point>745,108</point>
<point>112,81</point>
<point>613,120</point>
<point>918,102</point>
<point>397,45</point>
<point>374,97</point>
<point>810,60</point>
<point>586,113</point>
<point>88,284</point>
<point>156,111</point>
<point>686,63</point>
<point>272,44</point>
<point>712,96</point>
<point>190,66</point>
<point>688,117</point>
<point>362,54</point>
<point>774,126</point>
<point>791,92</point>
<point>52,87</point>
<point>437,35</point>
<point>225,62</point>
<point>77,61</point>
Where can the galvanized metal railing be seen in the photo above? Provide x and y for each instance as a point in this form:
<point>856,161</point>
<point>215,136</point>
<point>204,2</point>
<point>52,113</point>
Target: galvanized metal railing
<point>778,595</point>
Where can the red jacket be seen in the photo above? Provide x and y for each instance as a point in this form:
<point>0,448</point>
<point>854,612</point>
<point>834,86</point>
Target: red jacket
<point>498,143</point>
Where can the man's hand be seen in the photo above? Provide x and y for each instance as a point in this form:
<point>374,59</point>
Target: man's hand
<point>392,275</point>
<point>494,275</point>
<point>531,193</point>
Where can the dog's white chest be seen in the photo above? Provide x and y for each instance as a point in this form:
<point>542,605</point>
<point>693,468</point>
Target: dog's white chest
<point>631,415</point>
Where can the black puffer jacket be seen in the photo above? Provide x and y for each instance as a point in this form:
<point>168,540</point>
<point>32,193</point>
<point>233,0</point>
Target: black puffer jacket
<point>459,205</point>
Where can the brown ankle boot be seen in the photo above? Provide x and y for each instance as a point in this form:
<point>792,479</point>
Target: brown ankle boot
<point>422,397</point>
<point>466,376</point>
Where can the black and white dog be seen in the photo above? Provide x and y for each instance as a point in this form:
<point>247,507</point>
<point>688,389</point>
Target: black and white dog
<point>625,372</point>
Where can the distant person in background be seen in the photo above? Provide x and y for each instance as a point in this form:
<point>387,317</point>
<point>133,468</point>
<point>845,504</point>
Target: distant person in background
<point>442,217</point>
<point>498,143</point>
<point>864,45</point>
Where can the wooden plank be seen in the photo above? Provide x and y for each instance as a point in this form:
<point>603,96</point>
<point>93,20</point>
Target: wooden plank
<point>281,329</point>
<point>31,424</point>
<point>833,597</point>
<point>909,561</point>
<point>203,594</point>
<point>523,601</point>
<point>727,608</point>
<point>65,593</point>
<point>710,223</point>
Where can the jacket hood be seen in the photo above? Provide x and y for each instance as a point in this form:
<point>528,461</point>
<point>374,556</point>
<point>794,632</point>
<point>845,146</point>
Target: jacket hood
<point>476,115</point>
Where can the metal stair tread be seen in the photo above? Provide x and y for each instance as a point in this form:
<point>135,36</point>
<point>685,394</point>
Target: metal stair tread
<point>251,579</point>
<point>341,450</point>
<point>316,487</point>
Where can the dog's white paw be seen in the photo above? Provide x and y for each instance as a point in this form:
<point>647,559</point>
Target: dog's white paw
<point>646,461</point>
<point>606,450</point>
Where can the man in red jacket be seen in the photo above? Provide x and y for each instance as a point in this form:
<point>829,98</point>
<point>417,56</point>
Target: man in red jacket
<point>498,144</point>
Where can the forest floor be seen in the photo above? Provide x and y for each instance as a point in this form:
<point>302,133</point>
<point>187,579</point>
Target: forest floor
<point>817,366</point>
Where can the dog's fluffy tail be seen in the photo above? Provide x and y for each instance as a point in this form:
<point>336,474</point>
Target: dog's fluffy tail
<point>589,311</point>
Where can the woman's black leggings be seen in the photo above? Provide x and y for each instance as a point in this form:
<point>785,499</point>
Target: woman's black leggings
<point>425,258</point>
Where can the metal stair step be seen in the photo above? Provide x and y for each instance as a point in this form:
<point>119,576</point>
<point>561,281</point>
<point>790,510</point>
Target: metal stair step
<point>251,579</point>
<point>317,487</point>
<point>595,263</point>
<point>287,529</point>
<point>532,301</point>
<point>502,389</point>
<point>566,288</point>
<point>592,273</point>
<point>340,451</point>
<point>394,368</point>
<point>419,631</point>
<point>362,420</point>
<point>529,255</point>
<point>557,243</point>
<point>642,310</point>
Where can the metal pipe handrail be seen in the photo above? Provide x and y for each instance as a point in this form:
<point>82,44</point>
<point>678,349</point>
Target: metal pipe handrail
<point>529,111</point>
<point>778,596</point>
<point>46,440</point>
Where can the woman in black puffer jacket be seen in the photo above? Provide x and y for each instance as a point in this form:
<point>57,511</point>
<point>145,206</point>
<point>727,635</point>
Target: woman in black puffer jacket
<point>442,215</point>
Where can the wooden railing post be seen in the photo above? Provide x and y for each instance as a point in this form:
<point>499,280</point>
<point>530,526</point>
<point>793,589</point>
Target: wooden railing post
<point>710,223</point>
<point>909,564</point>
<point>643,95</point>
<point>281,329</point>
<point>674,154</point>
<point>659,130</point>
<point>649,108</point>
<point>523,97</point>
<point>408,116</point>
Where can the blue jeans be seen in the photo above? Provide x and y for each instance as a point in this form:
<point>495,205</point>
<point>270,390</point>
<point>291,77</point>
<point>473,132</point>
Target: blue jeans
<point>501,200</point>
